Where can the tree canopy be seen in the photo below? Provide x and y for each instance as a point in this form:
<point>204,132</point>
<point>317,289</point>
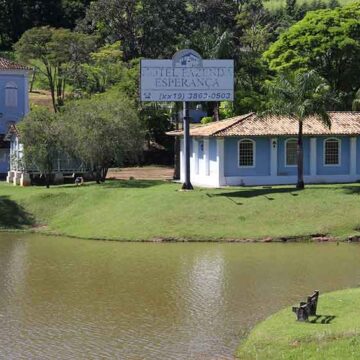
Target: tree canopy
<point>102,132</point>
<point>325,40</point>
<point>40,136</point>
<point>57,54</point>
<point>80,48</point>
<point>17,16</point>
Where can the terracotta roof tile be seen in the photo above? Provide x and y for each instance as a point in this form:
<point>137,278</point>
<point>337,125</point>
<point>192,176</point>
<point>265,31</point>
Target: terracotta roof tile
<point>6,64</point>
<point>342,123</point>
<point>212,128</point>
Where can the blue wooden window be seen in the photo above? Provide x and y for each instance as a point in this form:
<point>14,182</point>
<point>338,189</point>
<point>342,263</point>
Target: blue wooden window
<point>332,152</point>
<point>291,152</point>
<point>11,95</point>
<point>246,153</point>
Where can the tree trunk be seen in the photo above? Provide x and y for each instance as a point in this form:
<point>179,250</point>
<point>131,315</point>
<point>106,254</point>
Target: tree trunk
<point>176,175</point>
<point>98,174</point>
<point>33,77</point>
<point>300,158</point>
<point>59,90</point>
<point>51,85</point>
<point>47,180</point>
<point>216,114</point>
<point>104,172</point>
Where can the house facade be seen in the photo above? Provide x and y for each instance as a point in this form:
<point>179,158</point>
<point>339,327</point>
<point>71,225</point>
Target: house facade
<point>248,150</point>
<point>14,104</point>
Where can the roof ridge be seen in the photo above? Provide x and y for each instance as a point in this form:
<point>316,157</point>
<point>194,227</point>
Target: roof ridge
<point>241,118</point>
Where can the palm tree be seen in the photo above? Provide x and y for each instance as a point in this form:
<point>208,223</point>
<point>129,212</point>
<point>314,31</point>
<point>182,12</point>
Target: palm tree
<point>300,96</point>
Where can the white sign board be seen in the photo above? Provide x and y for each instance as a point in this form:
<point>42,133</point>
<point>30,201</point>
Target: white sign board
<point>187,77</point>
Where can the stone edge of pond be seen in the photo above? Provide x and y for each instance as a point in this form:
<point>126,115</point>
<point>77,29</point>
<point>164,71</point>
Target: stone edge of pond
<point>314,238</point>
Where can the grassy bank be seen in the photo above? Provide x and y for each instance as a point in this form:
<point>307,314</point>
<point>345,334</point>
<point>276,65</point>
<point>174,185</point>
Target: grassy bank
<point>281,337</point>
<point>277,4</point>
<point>146,210</point>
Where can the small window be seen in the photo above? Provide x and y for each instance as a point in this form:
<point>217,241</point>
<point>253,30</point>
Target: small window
<point>3,155</point>
<point>11,95</point>
<point>201,146</point>
<point>246,153</point>
<point>291,152</point>
<point>332,152</point>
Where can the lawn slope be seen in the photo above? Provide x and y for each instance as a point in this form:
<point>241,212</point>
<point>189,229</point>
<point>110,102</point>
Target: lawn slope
<point>148,210</point>
<point>281,337</point>
<point>277,4</point>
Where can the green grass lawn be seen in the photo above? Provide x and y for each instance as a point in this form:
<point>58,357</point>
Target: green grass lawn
<point>277,4</point>
<point>282,337</point>
<point>147,210</point>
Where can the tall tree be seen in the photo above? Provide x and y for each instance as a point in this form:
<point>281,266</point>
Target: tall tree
<point>40,137</point>
<point>102,132</point>
<point>219,14</point>
<point>17,16</point>
<point>290,8</point>
<point>115,20</point>
<point>299,97</point>
<point>254,32</point>
<point>149,28</point>
<point>73,10</point>
<point>167,22</point>
<point>57,54</point>
<point>104,69</point>
<point>327,41</point>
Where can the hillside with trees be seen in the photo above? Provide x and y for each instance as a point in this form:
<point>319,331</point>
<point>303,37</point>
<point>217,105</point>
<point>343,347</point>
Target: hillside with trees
<point>80,48</point>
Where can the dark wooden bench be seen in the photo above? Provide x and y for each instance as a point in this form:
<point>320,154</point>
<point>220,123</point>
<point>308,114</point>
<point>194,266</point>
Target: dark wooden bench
<point>307,308</point>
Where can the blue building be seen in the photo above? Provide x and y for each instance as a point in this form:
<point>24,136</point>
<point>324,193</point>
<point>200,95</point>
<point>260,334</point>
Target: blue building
<point>14,104</point>
<point>249,150</point>
<point>195,115</point>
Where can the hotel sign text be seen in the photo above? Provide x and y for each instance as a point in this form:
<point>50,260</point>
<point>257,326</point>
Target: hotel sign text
<point>187,77</point>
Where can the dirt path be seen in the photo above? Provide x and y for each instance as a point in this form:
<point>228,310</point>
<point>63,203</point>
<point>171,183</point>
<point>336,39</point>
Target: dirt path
<point>142,173</point>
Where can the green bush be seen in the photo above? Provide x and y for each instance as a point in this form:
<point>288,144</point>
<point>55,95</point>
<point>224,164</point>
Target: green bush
<point>206,120</point>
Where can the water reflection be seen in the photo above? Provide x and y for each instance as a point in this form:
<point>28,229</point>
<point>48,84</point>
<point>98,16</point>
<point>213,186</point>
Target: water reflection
<point>203,306</point>
<point>62,298</point>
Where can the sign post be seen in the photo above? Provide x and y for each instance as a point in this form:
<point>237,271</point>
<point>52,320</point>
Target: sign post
<point>187,78</point>
<point>186,128</point>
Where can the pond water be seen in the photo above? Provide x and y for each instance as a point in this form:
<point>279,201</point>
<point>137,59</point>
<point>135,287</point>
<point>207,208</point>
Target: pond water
<point>75,299</point>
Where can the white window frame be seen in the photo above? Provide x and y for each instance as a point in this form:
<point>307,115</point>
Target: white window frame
<point>339,152</point>
<point>254,154</point>
<point>285,152</point>
<point>11,95</point>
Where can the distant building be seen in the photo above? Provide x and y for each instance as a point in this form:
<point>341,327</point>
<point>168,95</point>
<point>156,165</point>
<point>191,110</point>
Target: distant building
<point>195,115</point>
<point>249,150</point>
<point>14,104</point>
